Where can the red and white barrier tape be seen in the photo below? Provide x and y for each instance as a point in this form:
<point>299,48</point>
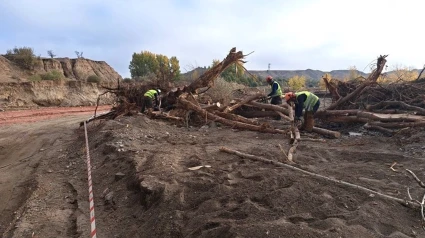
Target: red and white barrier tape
<point>91,198</point>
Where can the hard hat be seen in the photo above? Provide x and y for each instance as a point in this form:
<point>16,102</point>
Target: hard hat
<point>159,91</point>
<point>269,78</point>
<point>289,95</point>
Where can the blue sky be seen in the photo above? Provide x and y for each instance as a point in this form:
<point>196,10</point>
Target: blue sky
<point>288,34</point>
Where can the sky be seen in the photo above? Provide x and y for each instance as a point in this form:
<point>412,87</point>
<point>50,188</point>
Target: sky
<point>287,34</point>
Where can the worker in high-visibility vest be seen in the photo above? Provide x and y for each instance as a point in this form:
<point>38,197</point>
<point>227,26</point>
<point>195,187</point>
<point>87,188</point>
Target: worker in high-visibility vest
<point>276,94</point>
<point>304,100</point>
<point>149,97</point>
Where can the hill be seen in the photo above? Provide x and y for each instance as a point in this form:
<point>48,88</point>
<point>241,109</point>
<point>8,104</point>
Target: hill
<point>73,69</point>
<point>39,86</point>
<point>310,74</point>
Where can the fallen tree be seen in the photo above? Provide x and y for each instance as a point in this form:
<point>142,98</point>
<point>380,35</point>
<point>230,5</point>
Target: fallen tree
<point>232,123</point>
<point>382,107</point>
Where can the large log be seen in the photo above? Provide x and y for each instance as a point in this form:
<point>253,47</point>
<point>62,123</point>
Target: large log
<point>419,110</point>
<point>256,114</point>
<point>244,101</point>
<point>390,117</point>
<point>270,107</point>
<point>235,117</point>
<point>379,128</point>
<point>206,79</point>
<point>370,80</point>
<point>282,112</point>
<point>328,113</point>
<point>189,105</point>
<point>322,131</point>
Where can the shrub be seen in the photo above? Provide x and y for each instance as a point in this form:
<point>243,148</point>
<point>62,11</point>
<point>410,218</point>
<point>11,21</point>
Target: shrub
<point>296,82</point>
<point>93,79</point>
<point>222,90</point>
<point>52,75</point>
<point>34,78</point>
<point>127,80</point>
<point>23,56</point>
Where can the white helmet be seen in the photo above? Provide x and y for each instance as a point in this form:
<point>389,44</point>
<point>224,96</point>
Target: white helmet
<point>159,91</point>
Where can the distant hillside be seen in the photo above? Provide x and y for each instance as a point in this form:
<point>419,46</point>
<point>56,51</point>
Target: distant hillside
<point>73,69</point>
<point>310,74</point>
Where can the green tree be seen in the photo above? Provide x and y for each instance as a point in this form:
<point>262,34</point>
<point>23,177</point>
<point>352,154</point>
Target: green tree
<point>175,67</point>
<point>146,62</point>
<point>143,63</point>
<point>234,73</point>
<point>22,56</point>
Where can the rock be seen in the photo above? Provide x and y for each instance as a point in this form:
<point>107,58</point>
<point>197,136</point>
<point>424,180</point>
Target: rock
<point>119,176</point>
<point>109,198</point>
<point>152,191</point>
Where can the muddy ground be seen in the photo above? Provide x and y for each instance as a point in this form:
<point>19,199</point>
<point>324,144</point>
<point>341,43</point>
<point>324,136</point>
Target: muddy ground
<point>142,166</point>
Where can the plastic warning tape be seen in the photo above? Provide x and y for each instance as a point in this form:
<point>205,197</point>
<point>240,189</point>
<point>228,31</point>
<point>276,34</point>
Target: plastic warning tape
<point>91,199</point>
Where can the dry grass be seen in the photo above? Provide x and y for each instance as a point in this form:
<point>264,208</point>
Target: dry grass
<point>222,90</point>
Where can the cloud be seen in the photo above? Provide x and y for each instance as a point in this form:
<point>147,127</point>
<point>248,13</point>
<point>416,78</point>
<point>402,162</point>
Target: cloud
<point>291,34</point>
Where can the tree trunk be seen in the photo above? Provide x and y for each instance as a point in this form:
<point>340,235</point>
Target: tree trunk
<point>419,110</point>
<point>235,117</point>
<point>333,134</point>
<point>243,102</point>
<point>256,114</point>
<point>190,106</point>
<point>270,107</point>
<point>370,80</point>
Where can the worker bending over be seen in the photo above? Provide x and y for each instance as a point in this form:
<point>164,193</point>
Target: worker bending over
<point>304,100</point>
<point>148,99</point>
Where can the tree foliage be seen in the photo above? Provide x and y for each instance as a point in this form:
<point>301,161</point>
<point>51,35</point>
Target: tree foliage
<point>146,62</point>
<point>352,74</point>
<point>297,82</point>
<point>322,83</point>
<point>402,73</point>
<point>24,57</point>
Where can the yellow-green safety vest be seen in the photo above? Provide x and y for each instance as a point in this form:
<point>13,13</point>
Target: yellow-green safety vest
<point>150,93</point>
<point>278,91</point>
<point>310,101</point>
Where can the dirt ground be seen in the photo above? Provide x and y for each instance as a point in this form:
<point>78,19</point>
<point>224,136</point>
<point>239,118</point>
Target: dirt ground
<point>143,186</point>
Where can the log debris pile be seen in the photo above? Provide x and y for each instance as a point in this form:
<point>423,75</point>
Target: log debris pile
<point>181,104</point>
<point>383,107</point>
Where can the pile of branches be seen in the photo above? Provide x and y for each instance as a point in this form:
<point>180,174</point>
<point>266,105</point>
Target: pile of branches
<point>182,104</point>
<point>384,107</point>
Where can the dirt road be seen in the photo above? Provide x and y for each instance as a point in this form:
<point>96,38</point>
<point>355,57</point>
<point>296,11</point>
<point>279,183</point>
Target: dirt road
<point>33,148</point>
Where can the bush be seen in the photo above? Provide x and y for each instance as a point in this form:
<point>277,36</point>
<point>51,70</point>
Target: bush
<point>93,79</point>
<point>35,78</point>
<point>222,90</point>
<point>23,56</point>
<point>52,75</point>
<point>127,80</point>
<point>297,82</point>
